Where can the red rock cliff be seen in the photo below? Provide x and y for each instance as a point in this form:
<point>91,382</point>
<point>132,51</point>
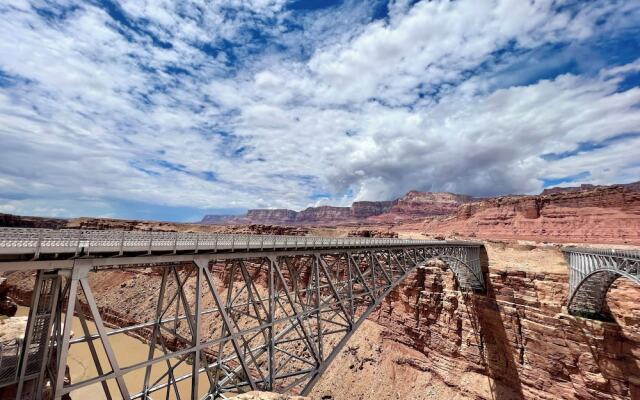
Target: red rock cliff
<point>516,336</point>
<point>608,214</point>
<point>423,204</point>
<point>364,209</point>
<point>272,216</point>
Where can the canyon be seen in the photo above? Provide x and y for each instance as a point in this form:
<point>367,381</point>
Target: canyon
<point>411,205</point>
<point>585,214</point>
<point>431,340</point>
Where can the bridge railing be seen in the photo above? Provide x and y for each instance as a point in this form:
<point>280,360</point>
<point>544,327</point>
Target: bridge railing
<point>64,241</point>
<point>620,253</point>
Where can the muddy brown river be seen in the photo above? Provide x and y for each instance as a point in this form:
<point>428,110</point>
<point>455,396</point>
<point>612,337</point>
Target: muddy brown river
<point>128,351</point>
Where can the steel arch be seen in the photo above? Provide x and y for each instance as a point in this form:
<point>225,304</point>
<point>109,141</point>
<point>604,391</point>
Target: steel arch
<point>605,285</point>
<point>591,274</point>
<point>459,276</point>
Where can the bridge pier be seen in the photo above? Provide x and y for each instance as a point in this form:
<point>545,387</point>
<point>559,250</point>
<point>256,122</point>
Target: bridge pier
<point>35,347</point>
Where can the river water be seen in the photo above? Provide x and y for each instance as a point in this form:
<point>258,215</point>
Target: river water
<point>128,351</point>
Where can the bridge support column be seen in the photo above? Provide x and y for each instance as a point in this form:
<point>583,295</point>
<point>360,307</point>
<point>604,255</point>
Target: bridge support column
<point>63,336</point>
<point>35,350</point>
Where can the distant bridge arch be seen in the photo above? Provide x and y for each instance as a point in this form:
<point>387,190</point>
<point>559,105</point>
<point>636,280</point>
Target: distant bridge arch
<point>277,309</point>
<point>591,274</point>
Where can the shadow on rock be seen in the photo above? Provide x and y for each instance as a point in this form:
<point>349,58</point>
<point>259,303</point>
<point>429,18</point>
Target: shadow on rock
<point>501,350</point>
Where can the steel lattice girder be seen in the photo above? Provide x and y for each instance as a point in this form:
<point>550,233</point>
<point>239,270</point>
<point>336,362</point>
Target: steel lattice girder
<point>591,273</point>
<point>230,323</point>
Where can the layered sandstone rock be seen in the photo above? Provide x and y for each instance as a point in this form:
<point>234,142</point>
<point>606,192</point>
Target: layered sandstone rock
<point>212,219</point>
<point>18,221</point>
<point>365,209</point>
<point>372,233</point>
<point>634,186</point>
<point>279,216</point>
<point>598,215</point>
<point>324,214</point>
<point>517,336</point>
<point>359,211</point>
<point>413,204</point>
<point>421,204</point>
<point>259,229</point>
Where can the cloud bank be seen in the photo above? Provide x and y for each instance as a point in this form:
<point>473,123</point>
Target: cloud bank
<point>171,109</point>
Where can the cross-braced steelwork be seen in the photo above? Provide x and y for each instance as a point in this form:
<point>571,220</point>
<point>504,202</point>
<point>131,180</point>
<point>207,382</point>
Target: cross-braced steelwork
<point>228,313</point>
<point>591,273</point>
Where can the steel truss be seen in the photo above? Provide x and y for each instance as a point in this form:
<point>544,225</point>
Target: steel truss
<point>222,323</point>
<point>591,273</point>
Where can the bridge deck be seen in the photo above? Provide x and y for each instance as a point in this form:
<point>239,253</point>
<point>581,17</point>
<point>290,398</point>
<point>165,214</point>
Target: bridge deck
<point>20,243</point>
<point>621,253</point>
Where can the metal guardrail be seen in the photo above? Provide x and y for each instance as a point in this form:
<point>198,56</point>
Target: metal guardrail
<point>624,253</point>
<point>86,242</point>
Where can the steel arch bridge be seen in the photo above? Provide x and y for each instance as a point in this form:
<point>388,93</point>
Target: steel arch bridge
<point>591,273</point>
<point>231,313</point>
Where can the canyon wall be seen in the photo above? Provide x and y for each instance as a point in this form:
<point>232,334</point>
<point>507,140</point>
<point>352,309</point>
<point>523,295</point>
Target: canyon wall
<point>358,212</point>
<point>324,214</point>
<point>515,342</point>
<point>413,204</point>
<point>585,214</point>
<point>281,216</point>
<point>596,215</point>
<point>416,204</point>
<point>365,209</point>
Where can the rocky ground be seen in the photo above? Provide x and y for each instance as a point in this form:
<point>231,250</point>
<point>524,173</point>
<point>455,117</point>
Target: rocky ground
<point>267,396</point>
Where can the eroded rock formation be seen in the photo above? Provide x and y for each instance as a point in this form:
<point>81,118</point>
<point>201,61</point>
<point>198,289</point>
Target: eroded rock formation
<point>597,215</point>
<point>517,337</point>
<point>365,209</point>
<point>416,204</point>
<point>372,233</point>
<point>278,216</point>
<point>17,221</point>
<point>587,214</point>
<point>413,204</point>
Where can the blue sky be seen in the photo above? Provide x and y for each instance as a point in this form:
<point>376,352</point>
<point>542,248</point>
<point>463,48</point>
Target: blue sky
<point>173,109</point>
